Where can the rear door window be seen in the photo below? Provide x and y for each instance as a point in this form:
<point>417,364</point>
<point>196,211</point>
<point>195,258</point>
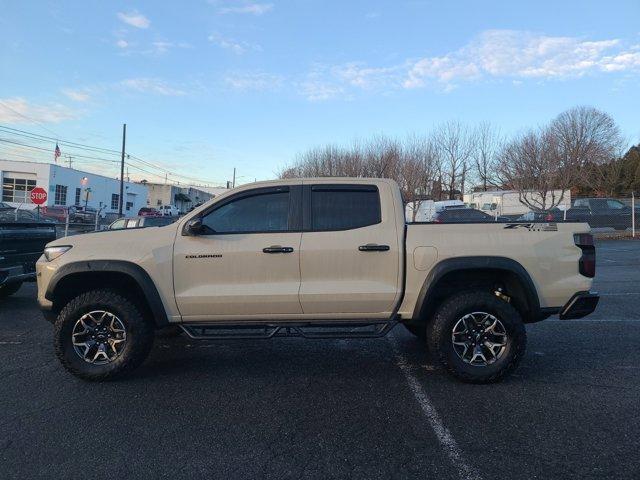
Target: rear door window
<point>344,207</point>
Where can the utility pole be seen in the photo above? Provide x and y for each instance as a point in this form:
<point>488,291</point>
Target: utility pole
<point>69,157</point>
<point>234,178</point>
<point>124,138</point>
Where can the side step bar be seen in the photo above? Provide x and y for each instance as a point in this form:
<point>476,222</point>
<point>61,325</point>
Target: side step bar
<point>216,331</point>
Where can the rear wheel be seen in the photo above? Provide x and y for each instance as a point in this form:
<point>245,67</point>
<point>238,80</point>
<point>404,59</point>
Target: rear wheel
<point>477,337</point>
<point>101,335</point>
<point>9,289</point>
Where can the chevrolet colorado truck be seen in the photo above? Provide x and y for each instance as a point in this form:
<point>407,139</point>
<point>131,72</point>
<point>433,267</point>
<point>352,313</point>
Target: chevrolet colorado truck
<point>317,258</point>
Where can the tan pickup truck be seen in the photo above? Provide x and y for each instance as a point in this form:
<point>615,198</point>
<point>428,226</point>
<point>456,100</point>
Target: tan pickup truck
<point>317,258</point>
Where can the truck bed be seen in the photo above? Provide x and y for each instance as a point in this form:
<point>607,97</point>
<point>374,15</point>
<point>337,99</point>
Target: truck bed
<point>545,250</point>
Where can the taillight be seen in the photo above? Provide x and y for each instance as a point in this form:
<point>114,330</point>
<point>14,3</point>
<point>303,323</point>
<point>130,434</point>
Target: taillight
<point>587,262</point>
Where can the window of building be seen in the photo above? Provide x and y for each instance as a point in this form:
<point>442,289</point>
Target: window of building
<point>129,206</point>
<point>78,194</point>
<point>115,201</point>
<point>263,212</point>
<point>17,189</point>
<point>60,197</point>
<point>344,207</point>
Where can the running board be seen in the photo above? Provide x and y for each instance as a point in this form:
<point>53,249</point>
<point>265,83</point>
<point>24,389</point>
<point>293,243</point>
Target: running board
<point>272,330</point>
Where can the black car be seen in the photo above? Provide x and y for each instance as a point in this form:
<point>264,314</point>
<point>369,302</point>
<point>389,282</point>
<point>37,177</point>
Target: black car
<point>22,241</point>
<point>603,212</point>
<point>463,215</point>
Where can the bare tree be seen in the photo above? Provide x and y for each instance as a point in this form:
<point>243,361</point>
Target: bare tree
<point>417,171</point>
<point>531,165</point>
<point>455,144</point>
<point>487,144</point>
<point>588,139</point>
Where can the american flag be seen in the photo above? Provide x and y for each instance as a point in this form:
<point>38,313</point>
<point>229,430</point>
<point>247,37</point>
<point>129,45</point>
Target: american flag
<point>56,152</point>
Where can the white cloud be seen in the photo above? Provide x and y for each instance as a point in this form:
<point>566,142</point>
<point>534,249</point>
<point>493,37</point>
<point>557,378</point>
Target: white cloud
<point>17,110</point>
<point>522,55</point>
<point>151,85</point>
<point>253,81</point>
<point>76,95</point>
<point>249,8</point>
<point>135,19</point>
<point>122,43</point>
<point>237,47</point>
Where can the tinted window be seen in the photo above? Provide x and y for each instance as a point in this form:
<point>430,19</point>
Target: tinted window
<point>615,204</point>
<point>343,209</point>
<point>266,212</point>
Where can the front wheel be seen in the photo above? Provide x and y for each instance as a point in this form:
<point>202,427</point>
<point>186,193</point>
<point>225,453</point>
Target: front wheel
<point>101,335</point>
<point>477,337</point>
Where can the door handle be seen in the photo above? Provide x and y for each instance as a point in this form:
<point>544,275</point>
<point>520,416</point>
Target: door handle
<point>277,249</point>
<point>373,247</point>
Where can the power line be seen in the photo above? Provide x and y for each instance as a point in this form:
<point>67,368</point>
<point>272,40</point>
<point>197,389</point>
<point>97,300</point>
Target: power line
<point>36,136</point>
<point>27,117</point>
<point>25,145</point>
<point>75,145</point>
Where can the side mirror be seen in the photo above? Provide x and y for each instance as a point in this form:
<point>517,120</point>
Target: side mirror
<point>193,227</point>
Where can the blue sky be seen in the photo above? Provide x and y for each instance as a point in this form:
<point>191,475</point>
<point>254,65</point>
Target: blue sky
<point>208,85</point>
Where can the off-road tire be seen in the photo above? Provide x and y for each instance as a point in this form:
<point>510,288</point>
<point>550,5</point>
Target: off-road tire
<point>139,330</point>
<point>9,289</point>
<point>419,331</point>
<point>439,332</point>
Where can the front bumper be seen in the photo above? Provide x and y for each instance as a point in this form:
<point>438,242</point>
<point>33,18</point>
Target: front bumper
<point>15,275</point>
<point>580,305</point>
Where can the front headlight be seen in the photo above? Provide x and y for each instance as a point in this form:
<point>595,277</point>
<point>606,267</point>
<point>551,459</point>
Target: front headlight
<point>51,253</point>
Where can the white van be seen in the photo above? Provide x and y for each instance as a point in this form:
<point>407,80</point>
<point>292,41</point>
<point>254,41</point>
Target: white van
<point>169,211</point>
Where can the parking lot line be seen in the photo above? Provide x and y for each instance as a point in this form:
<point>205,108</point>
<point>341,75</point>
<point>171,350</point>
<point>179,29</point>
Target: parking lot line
<point>449,445</point>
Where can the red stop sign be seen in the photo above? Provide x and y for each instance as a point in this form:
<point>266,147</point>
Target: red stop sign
<point>38,195</point>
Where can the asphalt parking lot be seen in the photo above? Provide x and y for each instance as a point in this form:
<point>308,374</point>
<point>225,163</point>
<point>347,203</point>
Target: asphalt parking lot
<point>292,408</point>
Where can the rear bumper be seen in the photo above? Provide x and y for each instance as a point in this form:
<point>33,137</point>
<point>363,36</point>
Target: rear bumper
<point>580,305</point>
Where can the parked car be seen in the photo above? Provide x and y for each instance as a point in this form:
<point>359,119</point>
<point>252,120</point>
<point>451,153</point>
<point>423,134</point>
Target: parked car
<point>169,210</point>
<point>21,243</point>
<point>83,214</point>
<point>319,258</point>
<point>603,212</point>
<point>463,215</point>
<point>551,215</point>
<point>149,212</point>
<point>140,222</point>
<point>59,214</point>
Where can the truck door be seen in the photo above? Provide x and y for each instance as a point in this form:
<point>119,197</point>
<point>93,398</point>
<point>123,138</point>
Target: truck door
<point>246,260</point>
<point>350,252</point>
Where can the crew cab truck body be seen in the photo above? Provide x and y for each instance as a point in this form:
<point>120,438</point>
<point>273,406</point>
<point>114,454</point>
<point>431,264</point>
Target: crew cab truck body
<point>308,256</point>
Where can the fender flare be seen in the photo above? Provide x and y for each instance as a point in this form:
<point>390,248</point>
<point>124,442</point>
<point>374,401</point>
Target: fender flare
<point>136,272</point>
<point>476,263</point>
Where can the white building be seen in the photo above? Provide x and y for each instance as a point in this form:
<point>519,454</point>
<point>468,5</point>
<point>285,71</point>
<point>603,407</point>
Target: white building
<point>507,202</point>
<point>67,186</point>
<point>182,197</point>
